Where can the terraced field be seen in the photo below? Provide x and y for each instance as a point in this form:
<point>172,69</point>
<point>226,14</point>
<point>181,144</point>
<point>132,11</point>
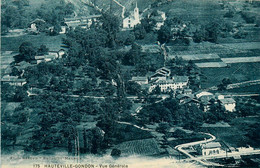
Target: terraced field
<point>145,147</point>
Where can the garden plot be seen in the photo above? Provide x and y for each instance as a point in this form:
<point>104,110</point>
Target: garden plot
<point>211,65</point>
<point>140,147</point>
<point>240,59</point>
<point>194,57</point>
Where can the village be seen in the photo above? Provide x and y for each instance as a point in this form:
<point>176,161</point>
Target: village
<point>184,98</point>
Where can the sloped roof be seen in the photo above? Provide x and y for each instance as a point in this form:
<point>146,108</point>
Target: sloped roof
<point>211,145</point>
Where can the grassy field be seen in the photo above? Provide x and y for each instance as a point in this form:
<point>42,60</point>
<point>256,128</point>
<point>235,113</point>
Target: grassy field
<point>12,43</point>
<point>248,89</point>
<point>145,147</point>
<point>236,72</point>
<point>193,10</point>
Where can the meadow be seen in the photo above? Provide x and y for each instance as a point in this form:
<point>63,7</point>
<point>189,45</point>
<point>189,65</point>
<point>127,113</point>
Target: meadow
<point>12,43</point>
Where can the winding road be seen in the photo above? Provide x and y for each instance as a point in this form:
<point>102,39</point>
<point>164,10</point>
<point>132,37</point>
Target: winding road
<point>181,146</point>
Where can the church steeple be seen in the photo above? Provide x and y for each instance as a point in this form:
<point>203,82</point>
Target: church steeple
<point>136,13</point>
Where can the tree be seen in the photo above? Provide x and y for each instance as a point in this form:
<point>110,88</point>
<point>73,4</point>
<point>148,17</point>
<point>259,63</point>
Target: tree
<point>139,32</point>
<point>163,127</point>
<point>164,34</point>
<point>224,84</point>
<point>69,8</point>
<point>133,88</point>
<point>43,50</point>
<point>213,31</point>
<point>148,24</point>
<point>110,24</point>
<point>15,72</point>
<point>27,51</point>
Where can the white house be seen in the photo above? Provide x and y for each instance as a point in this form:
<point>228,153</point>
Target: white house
<point>132,20</point>
<point>229,104</point>
<point>212,148</point>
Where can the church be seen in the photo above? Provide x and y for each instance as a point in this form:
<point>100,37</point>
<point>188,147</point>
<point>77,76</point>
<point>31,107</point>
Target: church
<point>132,20</point>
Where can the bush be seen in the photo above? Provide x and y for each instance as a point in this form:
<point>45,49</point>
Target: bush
<point>115,153</point>
<point>249,18</point>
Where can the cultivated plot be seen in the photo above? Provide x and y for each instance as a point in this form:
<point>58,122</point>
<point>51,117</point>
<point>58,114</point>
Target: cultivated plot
<point>240,59</point>
<point>211,64</point>
<point>196,56</point>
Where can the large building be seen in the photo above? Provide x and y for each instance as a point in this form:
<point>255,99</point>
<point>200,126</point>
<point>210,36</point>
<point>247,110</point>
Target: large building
<point>167,85</point>
<point>83,22</point>
<point>132,20</point>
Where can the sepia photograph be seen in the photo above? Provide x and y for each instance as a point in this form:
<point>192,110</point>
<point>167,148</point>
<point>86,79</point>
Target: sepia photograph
<point>130,84</point>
